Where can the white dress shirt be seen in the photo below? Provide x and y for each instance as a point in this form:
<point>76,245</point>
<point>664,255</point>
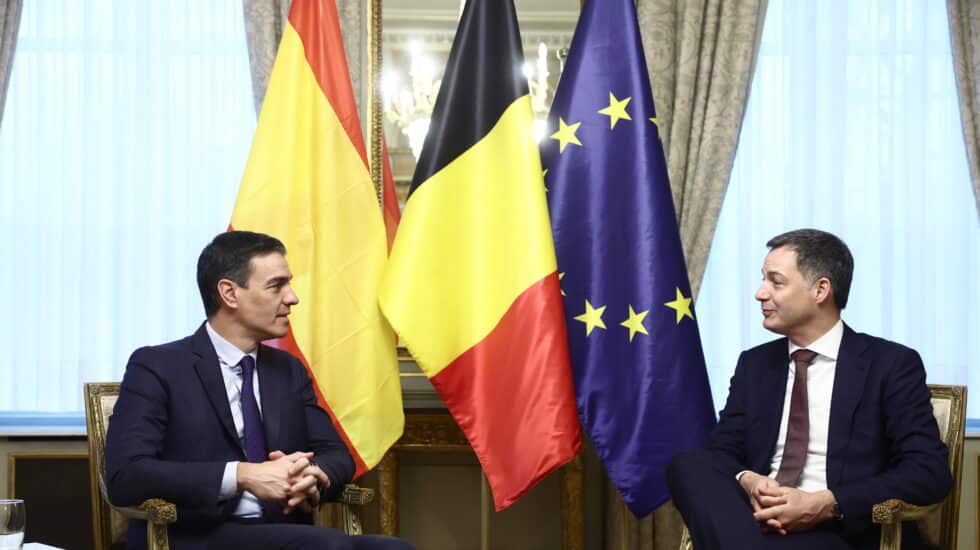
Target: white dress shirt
<point>820,389</point>
<point>228,357</point>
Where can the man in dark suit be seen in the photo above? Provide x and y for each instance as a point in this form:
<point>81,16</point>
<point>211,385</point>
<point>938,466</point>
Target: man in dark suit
<point>819,425</point>
<point>226,428</point>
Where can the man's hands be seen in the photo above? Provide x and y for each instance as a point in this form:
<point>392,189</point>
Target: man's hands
<point>760,490</point>
<point>785,509</point>
<point>291,480</point>
<point>307,478</point>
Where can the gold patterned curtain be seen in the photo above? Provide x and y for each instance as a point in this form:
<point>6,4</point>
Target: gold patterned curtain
<point>9,21</point>
<point>264,21</point>
<point>964,30</point>
<point>701,56</point>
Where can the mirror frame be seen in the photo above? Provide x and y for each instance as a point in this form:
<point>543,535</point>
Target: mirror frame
<point>372,95</point>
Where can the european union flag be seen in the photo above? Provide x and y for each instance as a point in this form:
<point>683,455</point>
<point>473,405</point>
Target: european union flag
<point>637,363</point>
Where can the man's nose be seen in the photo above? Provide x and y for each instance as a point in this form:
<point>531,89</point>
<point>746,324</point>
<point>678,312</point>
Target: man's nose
<point>762,294</point>
<point>290,299</point>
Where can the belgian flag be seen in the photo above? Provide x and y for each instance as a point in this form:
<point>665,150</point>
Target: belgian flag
<point>472,286</point>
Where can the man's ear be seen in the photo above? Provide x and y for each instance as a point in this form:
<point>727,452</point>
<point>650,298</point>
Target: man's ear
<point>226,291</point>
<point>822,290</point>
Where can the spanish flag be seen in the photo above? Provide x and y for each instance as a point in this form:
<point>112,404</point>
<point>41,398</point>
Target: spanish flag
<point>471,286</point>
<point>307,183</point>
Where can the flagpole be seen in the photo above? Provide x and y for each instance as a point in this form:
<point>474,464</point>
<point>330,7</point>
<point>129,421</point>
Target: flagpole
<point>623,529</point>
<point>484,512</point>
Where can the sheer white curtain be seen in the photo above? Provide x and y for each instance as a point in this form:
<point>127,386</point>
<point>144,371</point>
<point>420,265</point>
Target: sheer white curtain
<point>126,131</point>
<point>853,127</point>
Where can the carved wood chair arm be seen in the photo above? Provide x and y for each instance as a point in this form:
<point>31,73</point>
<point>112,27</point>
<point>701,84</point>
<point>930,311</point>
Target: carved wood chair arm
<point>896,511</point>
<point>354,495</point>
<point>159,511</point>
<point>153,510</point>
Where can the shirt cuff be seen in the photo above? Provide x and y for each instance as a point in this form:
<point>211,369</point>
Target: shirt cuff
<point>739,475</point>
<point>229,481</point>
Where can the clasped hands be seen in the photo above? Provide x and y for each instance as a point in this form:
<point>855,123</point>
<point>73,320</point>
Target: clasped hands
<point>291,480</point>
<point>785,509</point>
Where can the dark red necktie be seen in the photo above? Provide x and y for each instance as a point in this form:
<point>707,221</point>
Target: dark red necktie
<point>798,427</point>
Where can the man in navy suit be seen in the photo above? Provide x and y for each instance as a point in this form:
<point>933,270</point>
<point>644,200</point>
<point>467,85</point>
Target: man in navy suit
<point>819,425</point>
<point>226,428</point>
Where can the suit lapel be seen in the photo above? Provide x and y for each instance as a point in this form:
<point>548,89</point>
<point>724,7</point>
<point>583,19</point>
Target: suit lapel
<point>852,370</point>
<point>209,371</point>
<point>774,390</point>
<point>272,388</point>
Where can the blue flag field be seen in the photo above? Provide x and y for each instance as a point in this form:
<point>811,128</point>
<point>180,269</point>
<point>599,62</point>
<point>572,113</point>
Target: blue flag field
<point>640,381</point>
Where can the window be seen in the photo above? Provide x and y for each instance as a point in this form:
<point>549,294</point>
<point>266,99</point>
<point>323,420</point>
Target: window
<point>126,131</point>
<point>853,127</point>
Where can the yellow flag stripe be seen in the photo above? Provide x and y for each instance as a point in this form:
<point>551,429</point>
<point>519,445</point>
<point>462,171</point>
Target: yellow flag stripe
<point>306,184</point>
<point>472,238</point>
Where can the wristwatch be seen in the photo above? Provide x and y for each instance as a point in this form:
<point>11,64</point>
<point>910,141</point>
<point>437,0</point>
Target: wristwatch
<point>838,515</point>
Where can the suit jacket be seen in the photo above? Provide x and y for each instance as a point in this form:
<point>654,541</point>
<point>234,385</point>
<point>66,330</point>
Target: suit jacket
<point>171,432</point>
<point>883,441</point>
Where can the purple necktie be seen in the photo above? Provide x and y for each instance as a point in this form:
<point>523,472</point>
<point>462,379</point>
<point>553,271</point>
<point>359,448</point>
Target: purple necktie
<point>798,426</point>
<point>255,448</point>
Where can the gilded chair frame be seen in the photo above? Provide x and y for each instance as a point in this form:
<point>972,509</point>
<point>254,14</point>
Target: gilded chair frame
<point>891,513</point>
<point>100,396</point>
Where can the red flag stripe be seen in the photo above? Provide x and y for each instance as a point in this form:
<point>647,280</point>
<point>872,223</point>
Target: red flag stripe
<point>483,390</point>
<point>392,213</point>
<point>325,54</point>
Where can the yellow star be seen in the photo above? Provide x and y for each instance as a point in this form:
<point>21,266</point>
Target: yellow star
<point>566,134</point>
<point>635,323</point>
<point>656,122</point>
<point>616,110</point>
<point>560,277</point>
<point>681,305</point>
<point>592,318</point>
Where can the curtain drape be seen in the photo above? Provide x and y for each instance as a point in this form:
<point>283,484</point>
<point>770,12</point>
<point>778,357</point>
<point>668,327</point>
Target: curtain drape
<point>9,22</point>
<point>964,30</point>
<point>854,128</point>
<point>701,55</point>
<point>127,128</point>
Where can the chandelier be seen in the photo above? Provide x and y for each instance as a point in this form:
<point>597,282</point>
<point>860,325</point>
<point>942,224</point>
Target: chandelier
<point>409,105</point>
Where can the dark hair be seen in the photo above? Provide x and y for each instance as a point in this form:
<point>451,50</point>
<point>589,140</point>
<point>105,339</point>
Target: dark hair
<point>229,256</point>
<point>820,254</point>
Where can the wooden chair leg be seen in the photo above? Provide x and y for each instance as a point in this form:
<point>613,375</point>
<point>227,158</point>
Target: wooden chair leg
<point>891,536</point>
<point>157,537</point>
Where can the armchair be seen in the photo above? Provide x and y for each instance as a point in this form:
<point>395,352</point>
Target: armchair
<point>938,523</point>
<point>110,522</point>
